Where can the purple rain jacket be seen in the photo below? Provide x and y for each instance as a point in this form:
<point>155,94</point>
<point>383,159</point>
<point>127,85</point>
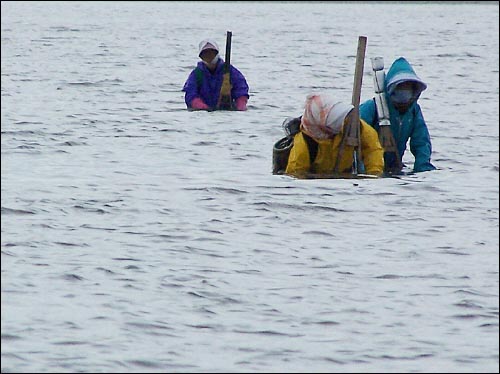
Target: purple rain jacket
<point>210,84</point>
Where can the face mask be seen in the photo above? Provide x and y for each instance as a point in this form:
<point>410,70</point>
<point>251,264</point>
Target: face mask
<point>402,96</point>
<point>213,62</point>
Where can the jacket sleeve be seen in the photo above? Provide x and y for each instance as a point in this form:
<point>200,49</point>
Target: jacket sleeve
<point>298,160</point>
<point>420,143</point>
<point>190,88</point>
<point>368,113</point>
<point>239,84</point>
<point>373,153</point>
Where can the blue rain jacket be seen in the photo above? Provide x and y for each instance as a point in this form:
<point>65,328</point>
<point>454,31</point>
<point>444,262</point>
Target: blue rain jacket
<point>207,85</point>
<point>408,126</point>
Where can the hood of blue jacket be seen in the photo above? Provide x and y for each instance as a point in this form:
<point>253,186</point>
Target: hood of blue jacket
<point>401,71</point>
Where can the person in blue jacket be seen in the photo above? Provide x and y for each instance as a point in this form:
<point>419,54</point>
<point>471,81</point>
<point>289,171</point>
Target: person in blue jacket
<point>402,90</point>
<point>202,88</point>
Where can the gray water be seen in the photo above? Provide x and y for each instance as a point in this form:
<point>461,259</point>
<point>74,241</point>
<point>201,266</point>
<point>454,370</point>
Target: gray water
<point>140,237</point>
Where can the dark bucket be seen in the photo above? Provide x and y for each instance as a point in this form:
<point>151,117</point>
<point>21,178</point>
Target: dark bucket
<point>281,151</point>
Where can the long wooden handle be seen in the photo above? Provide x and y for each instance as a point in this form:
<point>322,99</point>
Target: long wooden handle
<point>352,130</point>
<point>358,72</point>
<point>225,100</point>
<point>227,59</point>
<point>356,96</point>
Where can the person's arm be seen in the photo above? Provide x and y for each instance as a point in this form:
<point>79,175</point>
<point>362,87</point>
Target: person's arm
<point>368,113</point>
<point>239,90</point>
<point>198,104</point>
<point>192,97</point>
<point>299,163</point>
<point>241,103</point>
<point>373,153</point>
<point>420,143</point>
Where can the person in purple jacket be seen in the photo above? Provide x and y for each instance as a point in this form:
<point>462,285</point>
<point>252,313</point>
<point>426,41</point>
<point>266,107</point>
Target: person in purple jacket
<point>203,85</point>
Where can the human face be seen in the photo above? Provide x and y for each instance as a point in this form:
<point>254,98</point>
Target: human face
<point>403,96</point>
<point>208,56</point>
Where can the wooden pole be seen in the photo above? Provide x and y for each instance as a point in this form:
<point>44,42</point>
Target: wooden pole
<point>225,99</point>
<point>352,133</point>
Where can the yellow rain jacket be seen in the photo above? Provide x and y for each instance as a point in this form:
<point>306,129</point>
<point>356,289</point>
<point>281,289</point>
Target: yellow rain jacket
<point>372,153</point>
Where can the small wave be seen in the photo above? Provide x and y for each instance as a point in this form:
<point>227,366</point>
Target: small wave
<point>319,233</point>
<point>72,277</point>
<point>99,83</point>
<point>69,342</point>
<point>206,327</point>
<point>87,226</point>
<point>395,276</point>
<point>16,211</point>
<point>405,358</point>
<point>311,207</point>
<point>66,244</point>
<point>71,143</point>
<point>467,304</point>
<point>146,364</point>
<point>107,271</point>
<point>321,323</point>
<point>91,210</point>
<point>149,326</point>
<point>10,337</point>
<point>25,146</point>
<point>269,333</point>
<point>469,316</point>
<point>125,259</point>
<point>24,132</point>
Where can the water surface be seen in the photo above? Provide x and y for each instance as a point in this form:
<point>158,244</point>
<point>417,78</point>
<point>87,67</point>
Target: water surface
<point>140,237</point>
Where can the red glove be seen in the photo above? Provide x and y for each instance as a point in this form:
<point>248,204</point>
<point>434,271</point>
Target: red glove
<point>198,104</point>
<point>241,103</point>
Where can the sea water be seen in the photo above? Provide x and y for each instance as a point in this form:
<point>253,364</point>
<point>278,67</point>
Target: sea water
<point>137,236</point>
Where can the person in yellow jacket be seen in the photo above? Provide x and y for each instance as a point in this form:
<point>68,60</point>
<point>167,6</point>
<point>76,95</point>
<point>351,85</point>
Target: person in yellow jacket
<point>321,127</point>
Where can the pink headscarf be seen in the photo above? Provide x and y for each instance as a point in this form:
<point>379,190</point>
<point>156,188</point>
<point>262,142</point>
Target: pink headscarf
<point>323,118</point>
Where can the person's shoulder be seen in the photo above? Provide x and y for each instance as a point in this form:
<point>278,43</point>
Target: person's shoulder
<point>368,102</point>
<point>234,68</point>
<point>195,69</point>
<point>200,66</point>
<point>416,108</point>
<point>367,128</point>
<point>363,122</point>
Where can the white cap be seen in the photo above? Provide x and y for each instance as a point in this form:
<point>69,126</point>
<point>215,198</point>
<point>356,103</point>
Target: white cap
<point>207,44</point>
